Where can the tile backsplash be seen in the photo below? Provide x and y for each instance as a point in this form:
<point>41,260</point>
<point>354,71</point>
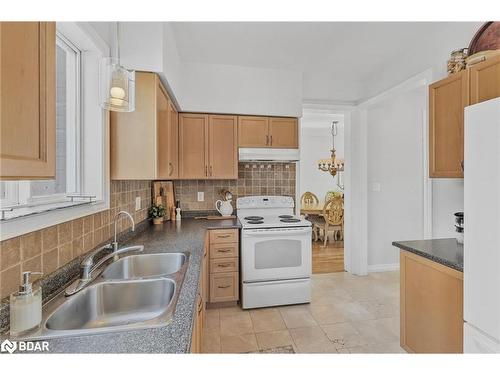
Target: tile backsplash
<point>51,248</point>
<point>259,178</point>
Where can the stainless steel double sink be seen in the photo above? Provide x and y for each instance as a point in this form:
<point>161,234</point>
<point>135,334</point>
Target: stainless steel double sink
<point>132,292</point>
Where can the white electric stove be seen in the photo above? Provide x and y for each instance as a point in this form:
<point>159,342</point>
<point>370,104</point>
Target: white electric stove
<point>275,252</point>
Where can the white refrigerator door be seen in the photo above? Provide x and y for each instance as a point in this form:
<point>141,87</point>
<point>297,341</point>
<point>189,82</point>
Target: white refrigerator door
<point>482,217</point>
<point>478,342</point>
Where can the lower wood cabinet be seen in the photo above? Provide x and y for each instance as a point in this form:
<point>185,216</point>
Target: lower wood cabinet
<point>431,306</point>
<point>201,298</point>
<point>224,265</point>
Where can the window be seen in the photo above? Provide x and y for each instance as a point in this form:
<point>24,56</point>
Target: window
<point>33,196</point>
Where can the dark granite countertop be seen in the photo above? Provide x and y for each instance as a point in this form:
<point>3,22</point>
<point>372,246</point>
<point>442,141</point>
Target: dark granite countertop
<point>445,251</point>
<point>186,236</point>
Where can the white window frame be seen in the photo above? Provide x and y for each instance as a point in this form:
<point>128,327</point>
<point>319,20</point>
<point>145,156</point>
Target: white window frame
<point>94,151</point>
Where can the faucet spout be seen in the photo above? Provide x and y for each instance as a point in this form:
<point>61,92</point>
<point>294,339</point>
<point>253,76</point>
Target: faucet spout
<point>115,242</point>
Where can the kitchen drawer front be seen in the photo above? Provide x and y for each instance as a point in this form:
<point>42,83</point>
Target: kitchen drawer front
<point>223,236</point>
<point>223,250</point>
<point>224,265</point>
<point>224,287</point>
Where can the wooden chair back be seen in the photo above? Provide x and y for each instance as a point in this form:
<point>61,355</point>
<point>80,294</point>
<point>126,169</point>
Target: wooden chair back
<point>332,194</point>
<point>308,199</point>
<point>333,211</point>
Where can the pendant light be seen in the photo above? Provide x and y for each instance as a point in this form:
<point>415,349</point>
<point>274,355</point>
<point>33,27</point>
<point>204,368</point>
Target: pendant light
<point>117,84</point>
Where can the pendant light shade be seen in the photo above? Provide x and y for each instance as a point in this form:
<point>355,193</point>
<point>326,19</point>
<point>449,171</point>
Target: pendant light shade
<point>117,84</point>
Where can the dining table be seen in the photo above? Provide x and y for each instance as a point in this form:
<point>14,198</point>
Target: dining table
<point>312,209</point>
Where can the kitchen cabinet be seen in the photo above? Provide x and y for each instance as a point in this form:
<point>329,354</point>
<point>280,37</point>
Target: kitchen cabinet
<point>431,306</point>
<point>224,261</point>
<point>27,100</point>
<point>268,132</point>
<point>207,146</point>
<point>173,142</point>
<point>283,132</point>
<point>144,142</point>
<point>447,100</point>
<point>199,316</point>
<point>485,80</point>
<point>253,131</point>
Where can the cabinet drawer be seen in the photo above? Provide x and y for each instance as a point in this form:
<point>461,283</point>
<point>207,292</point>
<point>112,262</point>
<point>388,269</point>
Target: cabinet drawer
<point>223,236</point>
<point>224,287</point>
<point>224,265</point>
<point>223,250</point>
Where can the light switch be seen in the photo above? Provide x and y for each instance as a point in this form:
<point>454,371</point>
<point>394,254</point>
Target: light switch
<point>201,196</point>
<point>376,186</point>
<point>137,203</point>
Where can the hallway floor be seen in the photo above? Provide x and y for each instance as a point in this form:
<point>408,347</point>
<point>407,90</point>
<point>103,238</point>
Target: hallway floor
<point>327,259</point>
<point>348,314</point>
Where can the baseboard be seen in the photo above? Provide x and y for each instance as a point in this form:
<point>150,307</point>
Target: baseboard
<point>383,267</point>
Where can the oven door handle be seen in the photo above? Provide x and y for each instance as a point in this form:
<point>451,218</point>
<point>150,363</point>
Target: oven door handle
<point>281,233</point>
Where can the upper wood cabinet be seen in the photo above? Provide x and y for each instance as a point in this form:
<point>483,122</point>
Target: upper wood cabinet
<point>144,142</point>
<point>253,131</point>
<point>447,100</point>
<point>485,80</point>
<point>283,132</point>
<point>27,100</point>
<point>268,132</point>
<point>223,146</point>
<point>207,146</point>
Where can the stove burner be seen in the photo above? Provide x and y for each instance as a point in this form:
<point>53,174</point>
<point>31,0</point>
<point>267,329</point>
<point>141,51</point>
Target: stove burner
<point>254,218</point>
<point>292,220</point>
<point>255,222</point>
<point>285,217</point>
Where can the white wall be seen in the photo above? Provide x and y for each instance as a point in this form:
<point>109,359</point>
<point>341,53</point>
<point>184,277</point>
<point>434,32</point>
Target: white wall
<point>447,198</point>
<point>315,144</point>
<point>242,90</point>
<point>394,174</point>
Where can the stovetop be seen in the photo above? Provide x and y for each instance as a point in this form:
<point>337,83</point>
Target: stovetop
<point>272,221</point>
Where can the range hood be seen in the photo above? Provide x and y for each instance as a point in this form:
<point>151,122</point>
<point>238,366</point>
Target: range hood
<point>269,154</point>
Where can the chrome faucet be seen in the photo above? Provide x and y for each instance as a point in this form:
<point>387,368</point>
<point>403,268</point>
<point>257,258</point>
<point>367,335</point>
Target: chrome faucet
<point>115,242</point>
<point>87,267</point>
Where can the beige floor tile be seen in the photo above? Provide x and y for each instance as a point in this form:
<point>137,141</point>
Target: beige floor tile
<point>265,320</point>
<point>343,335</point>
<point>211,342</point>
<point>328,314</point>
<point>268,340</point>
<point>239,344</point>
<point>375,331</point>
<point>381,348</point>
<point>226,311</point>
<point>312,340</point>
<point>236,324</point>
<point>297,316</point>
<point>385,308</point>
<point>355,311</point>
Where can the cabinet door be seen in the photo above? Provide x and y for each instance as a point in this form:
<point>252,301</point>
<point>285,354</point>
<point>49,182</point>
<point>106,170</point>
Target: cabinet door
<point>485,80</point>
<point>283,132</point>
<point>27,100</point>
<point>173,167</point>
<point>447,100</point>
<point>163,132</point>
<point>223,147</point>
<point>253,131</point>
<point>193,150</point>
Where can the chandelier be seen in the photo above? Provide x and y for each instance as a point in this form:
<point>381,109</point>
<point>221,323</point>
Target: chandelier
<point>332,165</point>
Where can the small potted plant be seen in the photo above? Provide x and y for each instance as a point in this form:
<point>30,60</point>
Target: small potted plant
<point>157,212</point>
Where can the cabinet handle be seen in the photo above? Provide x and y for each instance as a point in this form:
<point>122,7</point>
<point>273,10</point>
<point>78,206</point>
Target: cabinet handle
<point>224,286</point>
<point>225,265</point>
<point>206,170</point>
<point>462,166</point>
<point>210,170</point>
<point>223,250</point>
<point>267,140</point>
<point>171,167</point>
<point>271,140</point>
<point>222,235</point>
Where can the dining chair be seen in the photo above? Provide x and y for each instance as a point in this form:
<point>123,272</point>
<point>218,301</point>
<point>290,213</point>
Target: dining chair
<point>332,220</point>
<point>332,194</point>
<point>308,198</point>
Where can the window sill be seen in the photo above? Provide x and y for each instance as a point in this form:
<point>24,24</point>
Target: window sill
<point>21,225</point>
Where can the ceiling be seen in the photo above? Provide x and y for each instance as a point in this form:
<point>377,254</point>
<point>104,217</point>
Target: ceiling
<point>340,61</point>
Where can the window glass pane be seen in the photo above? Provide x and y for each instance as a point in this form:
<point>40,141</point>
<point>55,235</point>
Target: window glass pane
<point>58,186</point>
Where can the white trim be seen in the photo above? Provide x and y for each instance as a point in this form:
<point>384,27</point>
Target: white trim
<point>383,267</point>
<point>426,181</point>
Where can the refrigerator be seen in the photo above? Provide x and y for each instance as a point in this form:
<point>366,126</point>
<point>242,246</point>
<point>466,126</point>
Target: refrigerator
<point>482,227</point>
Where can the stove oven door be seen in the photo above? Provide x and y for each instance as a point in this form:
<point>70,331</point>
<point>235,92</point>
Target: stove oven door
<point>276,254</point>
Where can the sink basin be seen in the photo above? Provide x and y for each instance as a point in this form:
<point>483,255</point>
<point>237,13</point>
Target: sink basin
<point>113,304</point>
<point>144,265</point>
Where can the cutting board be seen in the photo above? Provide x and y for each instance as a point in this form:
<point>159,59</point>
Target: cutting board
<point>163,193</point>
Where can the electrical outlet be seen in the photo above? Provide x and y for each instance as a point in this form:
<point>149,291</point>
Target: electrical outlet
<point>137,203</point>
<point>201,196</point>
